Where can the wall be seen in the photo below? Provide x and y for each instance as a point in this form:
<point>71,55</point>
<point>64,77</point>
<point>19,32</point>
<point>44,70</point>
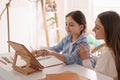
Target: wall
<point>26,24</point>
<point>83,5</point>
<point>26,20</point>
<point>22,17</point>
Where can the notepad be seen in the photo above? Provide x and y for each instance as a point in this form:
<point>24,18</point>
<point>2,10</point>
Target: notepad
<point>49,61</point>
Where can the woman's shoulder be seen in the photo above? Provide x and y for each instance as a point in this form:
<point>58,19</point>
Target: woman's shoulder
<point>107,51</point>
<point>107,54</point>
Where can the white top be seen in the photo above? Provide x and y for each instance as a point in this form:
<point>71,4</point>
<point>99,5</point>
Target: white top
<point>70,47</point>
<point>105,63</point>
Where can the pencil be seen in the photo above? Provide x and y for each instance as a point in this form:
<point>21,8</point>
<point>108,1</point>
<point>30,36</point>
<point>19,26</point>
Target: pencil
<point>3,62</point>
<point>31,48</point>
<point>54,65</point>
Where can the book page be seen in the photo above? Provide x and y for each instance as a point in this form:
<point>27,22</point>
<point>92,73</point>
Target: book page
<point>49,61</point>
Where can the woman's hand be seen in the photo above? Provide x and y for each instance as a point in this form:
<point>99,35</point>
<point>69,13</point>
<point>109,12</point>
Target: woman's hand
<point>82,52</point>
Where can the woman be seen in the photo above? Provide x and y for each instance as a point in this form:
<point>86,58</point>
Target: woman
<point>107,27</point>
<point>75,28</point>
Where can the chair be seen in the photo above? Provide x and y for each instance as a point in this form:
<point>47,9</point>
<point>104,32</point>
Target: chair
<point>98,48</point>
<point>97,51</point>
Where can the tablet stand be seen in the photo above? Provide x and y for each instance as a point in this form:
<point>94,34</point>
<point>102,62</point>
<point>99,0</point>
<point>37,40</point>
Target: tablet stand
<point>29,68</point>
<point>32,64</point>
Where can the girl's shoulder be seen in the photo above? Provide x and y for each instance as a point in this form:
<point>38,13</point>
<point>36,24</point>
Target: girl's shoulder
<point>67,37</point>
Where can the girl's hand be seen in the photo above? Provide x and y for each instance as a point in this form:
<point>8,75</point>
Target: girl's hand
<point>34,52</point>
<point>82,52</point>
<point>42,52</point>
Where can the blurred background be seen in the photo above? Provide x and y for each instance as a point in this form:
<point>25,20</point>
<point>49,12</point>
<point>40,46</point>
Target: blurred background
<point>27,22</point>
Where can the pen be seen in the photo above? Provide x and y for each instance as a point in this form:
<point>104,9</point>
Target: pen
<point>33,50</point>
<point>3,62</point>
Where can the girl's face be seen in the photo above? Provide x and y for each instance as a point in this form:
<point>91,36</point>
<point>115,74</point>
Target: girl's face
<point>99,30</point>
<point>72,27</point>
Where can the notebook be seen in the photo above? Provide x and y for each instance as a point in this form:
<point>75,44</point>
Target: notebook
<point>49,61</point>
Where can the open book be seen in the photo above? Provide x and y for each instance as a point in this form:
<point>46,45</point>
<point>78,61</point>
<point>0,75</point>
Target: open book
<point>49,61</point>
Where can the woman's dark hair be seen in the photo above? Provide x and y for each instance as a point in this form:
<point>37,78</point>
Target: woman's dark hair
<point>111,23</point>
<point>79,17</point>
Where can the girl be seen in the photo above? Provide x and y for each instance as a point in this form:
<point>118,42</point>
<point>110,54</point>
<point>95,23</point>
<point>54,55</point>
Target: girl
<point>75,28</point>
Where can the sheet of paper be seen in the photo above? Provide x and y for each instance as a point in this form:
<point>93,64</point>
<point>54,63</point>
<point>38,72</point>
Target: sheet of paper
<point>49,61</point>
<point>5,75</point>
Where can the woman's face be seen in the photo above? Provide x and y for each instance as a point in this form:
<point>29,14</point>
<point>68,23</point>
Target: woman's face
<point>99,30</point>
<point>72,27</point>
